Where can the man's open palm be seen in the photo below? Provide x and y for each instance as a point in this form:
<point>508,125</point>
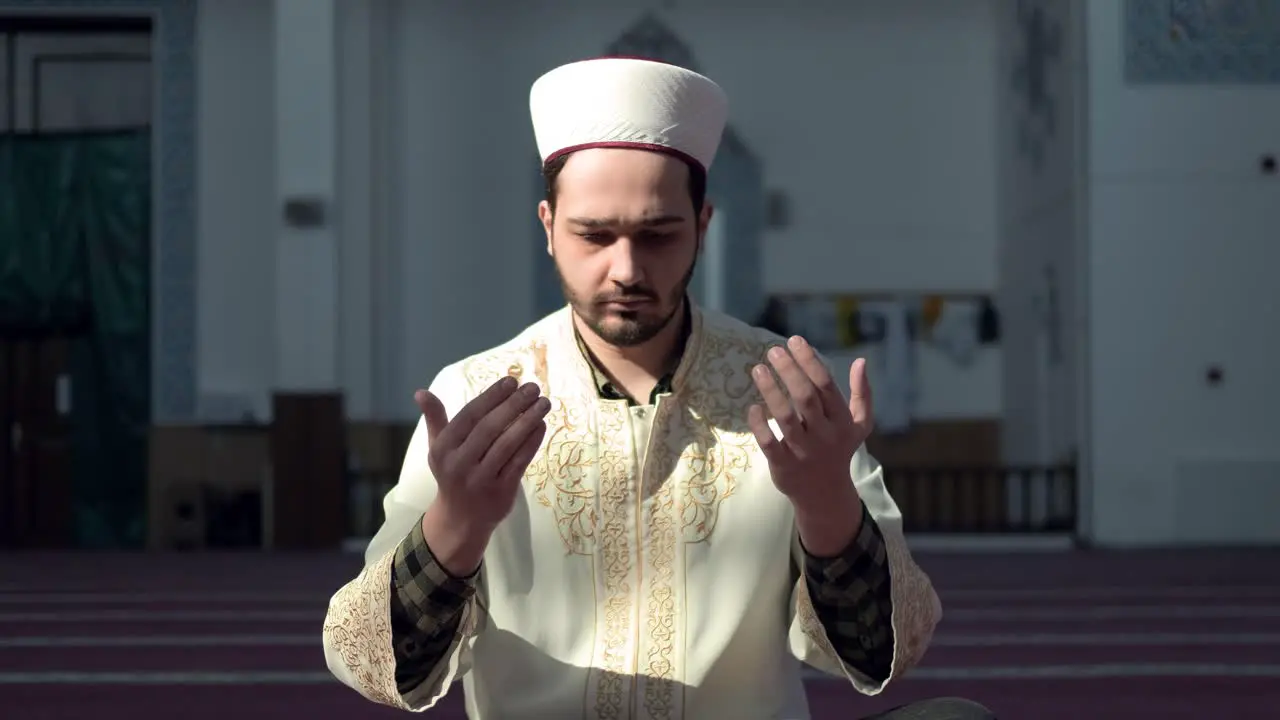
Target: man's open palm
<point>820,431</point>
<point>480,456</point>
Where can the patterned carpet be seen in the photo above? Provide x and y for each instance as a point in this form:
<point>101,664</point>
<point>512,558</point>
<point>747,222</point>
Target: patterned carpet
<point>1050,636</point>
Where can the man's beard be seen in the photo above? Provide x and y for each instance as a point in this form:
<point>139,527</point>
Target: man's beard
<point>628,328</point>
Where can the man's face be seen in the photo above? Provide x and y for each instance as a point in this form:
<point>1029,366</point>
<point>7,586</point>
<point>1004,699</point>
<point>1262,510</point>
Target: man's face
<point>625,240</point>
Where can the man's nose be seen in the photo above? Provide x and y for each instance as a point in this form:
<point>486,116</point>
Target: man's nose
<point>624,263</point>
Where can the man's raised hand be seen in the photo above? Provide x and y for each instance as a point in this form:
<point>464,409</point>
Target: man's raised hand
<point>479,457</point>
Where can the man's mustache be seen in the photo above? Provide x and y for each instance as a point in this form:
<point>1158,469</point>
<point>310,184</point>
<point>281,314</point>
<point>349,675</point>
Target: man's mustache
<point>634,295</point>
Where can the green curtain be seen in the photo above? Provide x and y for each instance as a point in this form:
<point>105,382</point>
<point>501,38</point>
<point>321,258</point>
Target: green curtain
<point>75,249</point>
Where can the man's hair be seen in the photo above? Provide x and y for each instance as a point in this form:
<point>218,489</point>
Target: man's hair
<point>697,182</point>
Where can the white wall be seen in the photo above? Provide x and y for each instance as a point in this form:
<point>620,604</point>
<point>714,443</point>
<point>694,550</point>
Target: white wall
<point>237,211</point>
<point>1181,258</point>
<point>1037,160</point>
<point>436,224</point>
<point>240,221</point>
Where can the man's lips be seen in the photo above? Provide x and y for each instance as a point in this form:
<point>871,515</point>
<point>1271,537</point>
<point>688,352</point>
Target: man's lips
<point>629,302</point>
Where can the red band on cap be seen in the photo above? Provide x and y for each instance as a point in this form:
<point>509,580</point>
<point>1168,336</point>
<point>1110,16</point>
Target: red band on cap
<point>651,147</point>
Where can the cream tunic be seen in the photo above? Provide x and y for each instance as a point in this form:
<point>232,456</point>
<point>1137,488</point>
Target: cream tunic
<point>647,569</point>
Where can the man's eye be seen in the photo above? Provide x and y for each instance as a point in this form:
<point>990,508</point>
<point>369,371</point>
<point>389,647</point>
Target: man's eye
<point>595,237</point>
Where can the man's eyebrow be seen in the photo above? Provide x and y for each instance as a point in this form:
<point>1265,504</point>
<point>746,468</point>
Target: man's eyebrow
<point>649,222</point>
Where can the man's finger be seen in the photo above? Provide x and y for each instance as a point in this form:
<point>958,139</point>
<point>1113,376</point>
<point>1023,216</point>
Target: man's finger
<point>829,393</point>
<point>432,412</point>
<point>775,451</point>
<point>776,401</point>
<point>463,423</point>
<point>518,463</point>
<point>803,393</point>
<point>490,427</point>
<point>500,450</point>
<point>860,394</point>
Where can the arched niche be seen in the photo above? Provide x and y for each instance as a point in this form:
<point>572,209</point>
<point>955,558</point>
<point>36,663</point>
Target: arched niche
<point>729,276</point>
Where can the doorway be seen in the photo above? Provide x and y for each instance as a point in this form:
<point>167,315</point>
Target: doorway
<point>34,458</point>
<point>75,257</point>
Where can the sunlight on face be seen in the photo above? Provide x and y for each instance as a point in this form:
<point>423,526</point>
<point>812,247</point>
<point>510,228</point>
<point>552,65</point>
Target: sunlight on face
<point>624,239</point>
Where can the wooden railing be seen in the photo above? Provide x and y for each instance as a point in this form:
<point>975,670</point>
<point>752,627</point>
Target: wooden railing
<point>985,500</point>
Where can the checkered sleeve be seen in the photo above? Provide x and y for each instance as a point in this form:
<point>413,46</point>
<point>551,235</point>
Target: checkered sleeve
<point>851,595</point>
<point>426,609</point>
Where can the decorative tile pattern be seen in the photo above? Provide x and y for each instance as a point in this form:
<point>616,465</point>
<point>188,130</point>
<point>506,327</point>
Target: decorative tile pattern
<point>173,311</point>
<point>1202,41</point>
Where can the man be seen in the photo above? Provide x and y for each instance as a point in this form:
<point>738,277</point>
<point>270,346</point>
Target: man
<point>635,508</point>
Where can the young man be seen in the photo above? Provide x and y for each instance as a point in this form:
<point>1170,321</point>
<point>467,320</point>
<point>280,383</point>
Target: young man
<point>635,508</point>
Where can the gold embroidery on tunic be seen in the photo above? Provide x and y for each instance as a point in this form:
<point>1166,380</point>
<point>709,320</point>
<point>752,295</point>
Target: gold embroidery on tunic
<point>561,477</point>
<point>701,445</point>
<point>617,557</point>
<point>720,444</point>
<point>358,628</point>
<point>540,365</point>
<point>662,689</point>
<point>585,477</point>
<point>561,473</point>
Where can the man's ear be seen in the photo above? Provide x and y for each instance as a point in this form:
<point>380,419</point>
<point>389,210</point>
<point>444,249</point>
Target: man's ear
<point>704,222</point>
<point>548,217</point>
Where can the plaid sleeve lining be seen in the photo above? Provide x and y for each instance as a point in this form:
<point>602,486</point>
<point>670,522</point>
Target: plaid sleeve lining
<point>426,609</point>
<point>851,594</point>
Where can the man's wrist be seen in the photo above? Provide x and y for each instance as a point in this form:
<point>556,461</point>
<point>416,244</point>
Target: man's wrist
<point>829,524</point>
<point>456,542</point>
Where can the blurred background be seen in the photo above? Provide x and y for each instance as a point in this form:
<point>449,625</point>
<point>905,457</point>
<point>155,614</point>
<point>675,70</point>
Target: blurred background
<point>236,235</point>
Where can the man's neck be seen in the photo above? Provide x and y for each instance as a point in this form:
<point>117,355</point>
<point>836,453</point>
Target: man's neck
<point>636,369</point>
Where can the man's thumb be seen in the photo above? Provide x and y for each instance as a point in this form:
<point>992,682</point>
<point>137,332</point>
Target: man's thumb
<point>432,411</point>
